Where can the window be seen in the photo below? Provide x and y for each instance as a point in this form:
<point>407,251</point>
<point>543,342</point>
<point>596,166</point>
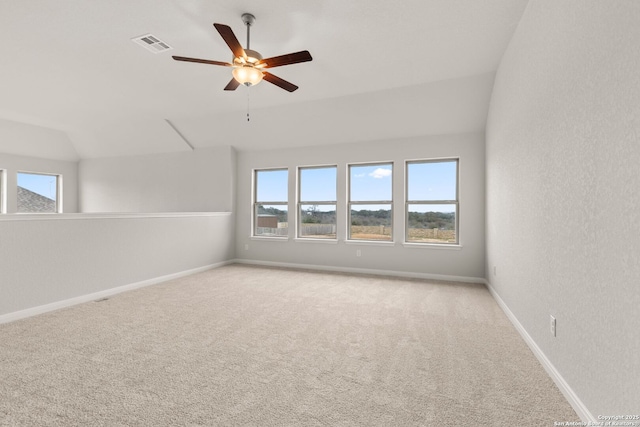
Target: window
<point>371,201</point>
<point>432,201</point>
<point>39,193</point>
<point>3,192</point>
<point>317,188</point>
<point>271,203</point>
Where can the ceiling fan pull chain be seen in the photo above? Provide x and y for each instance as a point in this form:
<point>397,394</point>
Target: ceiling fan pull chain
<point>248,98</point>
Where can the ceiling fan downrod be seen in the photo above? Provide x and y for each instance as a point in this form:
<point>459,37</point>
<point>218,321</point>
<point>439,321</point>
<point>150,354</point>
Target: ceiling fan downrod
<point>248,20</point>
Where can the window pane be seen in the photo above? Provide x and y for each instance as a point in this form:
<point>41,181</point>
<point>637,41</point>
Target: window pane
<point>318,221</point>
<point>431,223</point>
<point>37,193</point>
<point>318,184</point>
<point>271,220</point>
<point>432,180</point>
<point>370,182</point>
<point>272,185</point>
<point>370,222</point>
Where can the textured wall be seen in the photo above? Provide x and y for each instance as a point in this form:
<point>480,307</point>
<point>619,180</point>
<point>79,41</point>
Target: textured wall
<point>193,181</point>
<point>466,262</point>
<point>562,153</point>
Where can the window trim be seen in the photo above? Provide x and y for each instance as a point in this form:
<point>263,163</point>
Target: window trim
<point>369,202</point>
<point>59,204</point>
<point>3,191</point>
<point>408,202</point>
<point>300,202</point>
<point>254,203</point>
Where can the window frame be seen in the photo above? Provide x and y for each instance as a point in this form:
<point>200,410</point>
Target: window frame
<point>455,202</point>
<point>3,191</point>
<point>301,202</point>
<point>254,204</point>
<point>59,204</point>
<point>369,202</point>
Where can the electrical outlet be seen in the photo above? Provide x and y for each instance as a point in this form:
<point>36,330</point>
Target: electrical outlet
<point>553,326</point>
<point>246,246</point>
<point>358,252</point>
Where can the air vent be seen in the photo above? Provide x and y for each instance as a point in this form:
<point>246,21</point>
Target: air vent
<point>151,43</point>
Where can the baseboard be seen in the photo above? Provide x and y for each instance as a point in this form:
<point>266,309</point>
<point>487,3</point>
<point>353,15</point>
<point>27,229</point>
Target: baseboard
<point>392,273</point>
<point>573,399</point>
<point>22,314</point>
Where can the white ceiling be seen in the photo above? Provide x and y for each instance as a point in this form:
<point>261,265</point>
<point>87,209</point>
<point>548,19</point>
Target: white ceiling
<point>380,69</point>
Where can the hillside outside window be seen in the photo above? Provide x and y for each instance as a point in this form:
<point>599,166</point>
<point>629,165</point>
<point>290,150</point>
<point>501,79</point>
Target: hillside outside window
<point>371,201</point>
<point>432,201</point>
<point>317,188</point>
<point>270,207</point>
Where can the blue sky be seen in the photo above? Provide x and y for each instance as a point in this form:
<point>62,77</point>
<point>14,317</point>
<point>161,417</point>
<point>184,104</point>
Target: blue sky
<point>44,185</point>
<point>426,181</point>
<point>371,182</point>
<point>272,185</point>
<point>318,184</point>
<point>432,181</point>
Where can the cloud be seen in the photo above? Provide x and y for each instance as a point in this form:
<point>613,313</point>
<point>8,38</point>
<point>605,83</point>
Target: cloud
<point>358,175</point>
<point>380,173</point>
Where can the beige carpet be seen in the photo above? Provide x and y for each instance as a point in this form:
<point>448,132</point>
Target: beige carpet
<point>248,346</point>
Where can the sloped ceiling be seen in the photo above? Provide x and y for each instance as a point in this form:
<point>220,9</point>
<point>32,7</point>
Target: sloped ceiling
<point>380,69</point>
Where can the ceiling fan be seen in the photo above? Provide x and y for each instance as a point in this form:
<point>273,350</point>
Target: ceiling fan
<point>248,65</point>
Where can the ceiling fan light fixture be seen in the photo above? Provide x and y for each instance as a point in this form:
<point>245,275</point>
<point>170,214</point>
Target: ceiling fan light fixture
<point>248,64</point>
<point>252,56</point>
<point>247,75</point>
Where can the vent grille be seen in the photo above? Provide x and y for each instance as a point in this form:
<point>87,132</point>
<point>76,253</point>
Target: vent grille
<point>151,43</point>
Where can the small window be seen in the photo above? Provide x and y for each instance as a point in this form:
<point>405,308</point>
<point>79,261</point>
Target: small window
<point>371,202</point>
<point>3,191</point>
<point>39,193</point>
<point>432,201</point>
<point>317,188</point>
<point>271,203</point>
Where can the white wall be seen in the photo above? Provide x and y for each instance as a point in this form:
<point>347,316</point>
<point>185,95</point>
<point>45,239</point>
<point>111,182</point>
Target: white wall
<point>28,140</point>
<point>563,192</point>
<point>46,260</point>
<point>68,169</point>
<point>456,105</point>
<point>468,262</point>
<point>193,181</point>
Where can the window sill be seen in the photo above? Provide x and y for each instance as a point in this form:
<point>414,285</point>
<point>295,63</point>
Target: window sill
<point>370,242</point>
<point>270,238</point>
<point>445,246</point>
<point>308,240</point>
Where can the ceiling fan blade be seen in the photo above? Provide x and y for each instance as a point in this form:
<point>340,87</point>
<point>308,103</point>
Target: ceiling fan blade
<point>232,85</point>
<point>288,59</point>
<point>290,87</point>
<point>230,39</point>
<point>201,61</point>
